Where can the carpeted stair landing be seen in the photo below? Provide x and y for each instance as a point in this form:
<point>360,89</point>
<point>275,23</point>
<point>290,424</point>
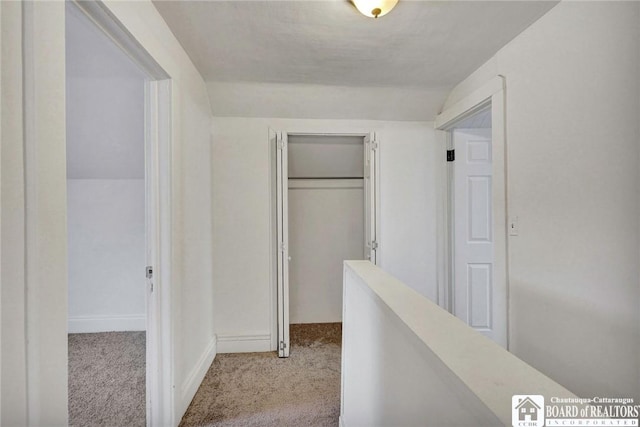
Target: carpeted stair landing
<point>260,389</point>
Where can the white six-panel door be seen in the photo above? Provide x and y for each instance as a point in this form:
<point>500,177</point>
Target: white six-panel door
<point>473,293</point>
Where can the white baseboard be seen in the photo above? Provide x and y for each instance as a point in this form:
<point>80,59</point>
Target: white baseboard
<point>244,343</point>
<point>341,422</point>
<point>195,377</point>
<point>116,323</point>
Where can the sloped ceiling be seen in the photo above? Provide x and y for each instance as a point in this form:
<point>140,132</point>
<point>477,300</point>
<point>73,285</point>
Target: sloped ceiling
<point>105,105</point>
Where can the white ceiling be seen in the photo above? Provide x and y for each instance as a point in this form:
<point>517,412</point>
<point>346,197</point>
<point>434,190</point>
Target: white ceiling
<point>418,44</point>
<point>480,120</point>
<point>105,105</point>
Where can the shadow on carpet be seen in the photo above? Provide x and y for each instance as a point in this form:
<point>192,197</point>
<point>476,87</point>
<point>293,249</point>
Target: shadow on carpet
<point>260,389</point>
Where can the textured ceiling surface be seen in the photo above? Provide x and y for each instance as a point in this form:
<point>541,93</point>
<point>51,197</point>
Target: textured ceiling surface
<point>418,44</point>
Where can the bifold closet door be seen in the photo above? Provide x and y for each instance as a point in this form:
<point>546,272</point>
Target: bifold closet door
<point>282,230</point>
<point>321,202</point>
<point>370,166</point>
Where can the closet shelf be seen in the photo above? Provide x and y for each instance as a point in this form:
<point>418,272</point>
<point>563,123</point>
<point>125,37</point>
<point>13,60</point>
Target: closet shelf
<point>333,183</point>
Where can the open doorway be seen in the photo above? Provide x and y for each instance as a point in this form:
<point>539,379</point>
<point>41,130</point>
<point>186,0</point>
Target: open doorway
<point>105,99</point>
<point>118,183</point>
<point>473,227</point>
<point>325,214</point>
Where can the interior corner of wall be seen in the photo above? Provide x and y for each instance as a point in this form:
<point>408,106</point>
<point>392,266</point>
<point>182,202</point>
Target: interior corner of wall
<point>197,373</point>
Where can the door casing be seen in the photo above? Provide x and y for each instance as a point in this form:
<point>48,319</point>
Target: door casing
<point>279,256</point>
<point>159,340</point>
<point>491,95</point>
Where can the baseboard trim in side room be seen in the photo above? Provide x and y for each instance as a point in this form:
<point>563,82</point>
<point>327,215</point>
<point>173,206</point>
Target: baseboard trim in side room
<point>195,377</point>
<point>108,323</point>
<point>244,343</point>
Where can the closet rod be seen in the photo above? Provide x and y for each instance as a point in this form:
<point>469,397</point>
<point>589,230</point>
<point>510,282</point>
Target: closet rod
<point>332,177</point>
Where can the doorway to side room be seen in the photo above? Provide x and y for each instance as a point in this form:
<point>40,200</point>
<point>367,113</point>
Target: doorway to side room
<point>472,213</point>
<point>473,227</point>
<point>325,202</point>
<point>106,228</point>
<point>117,118</point>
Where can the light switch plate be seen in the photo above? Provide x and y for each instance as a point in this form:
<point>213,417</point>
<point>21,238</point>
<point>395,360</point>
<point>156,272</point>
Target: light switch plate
<point>513,226</point>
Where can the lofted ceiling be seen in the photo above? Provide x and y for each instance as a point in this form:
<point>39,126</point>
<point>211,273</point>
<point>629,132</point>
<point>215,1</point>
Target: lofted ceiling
<point>426,44</point>
<point>105,105</point>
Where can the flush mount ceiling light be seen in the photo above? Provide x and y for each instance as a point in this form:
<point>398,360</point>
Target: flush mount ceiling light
<point>374,8</point>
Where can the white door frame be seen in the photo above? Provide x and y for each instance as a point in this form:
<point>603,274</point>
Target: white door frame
<point>159,340</point>
<point>493,94</point>
<point>278,310</point>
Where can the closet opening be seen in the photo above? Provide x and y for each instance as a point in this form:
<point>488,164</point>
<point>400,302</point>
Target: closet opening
<point>325,202</point>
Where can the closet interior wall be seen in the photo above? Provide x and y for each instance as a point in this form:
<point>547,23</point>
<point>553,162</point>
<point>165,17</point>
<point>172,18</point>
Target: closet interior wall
<point>326,221</point>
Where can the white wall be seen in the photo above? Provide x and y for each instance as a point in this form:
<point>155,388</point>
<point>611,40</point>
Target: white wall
<point>321,156</point>
<point>390,376</point>
<point>1,279</point>
<point>242,260</point>
<point>573,103</point>
<point>326,222</point>
<point>106,226</point>
<point>105,181</point>
<point>326,227</point>
<point>104,104</point>
<point>13,391</point>
<point>407,361</point>
<point>34,299</point>
<point>192,308</point>
<point>37,345</point>
<point>304,101</point>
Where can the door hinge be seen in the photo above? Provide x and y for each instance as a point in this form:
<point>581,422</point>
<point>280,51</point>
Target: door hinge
<point>283,247</point>
<point>280,142</point>
<point>374,245</point>
<point>374,145</point>
<point>283,345</point>
<point>451,155</point>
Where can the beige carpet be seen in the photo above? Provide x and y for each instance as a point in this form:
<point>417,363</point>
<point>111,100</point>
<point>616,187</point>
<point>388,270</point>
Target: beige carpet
<point>107,379</point>
<point>259,389</point>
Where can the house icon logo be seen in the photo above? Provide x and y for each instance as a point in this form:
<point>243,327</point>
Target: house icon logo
<point>527,410</point>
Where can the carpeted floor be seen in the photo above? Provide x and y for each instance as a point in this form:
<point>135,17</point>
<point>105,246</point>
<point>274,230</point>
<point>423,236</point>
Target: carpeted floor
<point>107,379</point>
<point>259,389</point>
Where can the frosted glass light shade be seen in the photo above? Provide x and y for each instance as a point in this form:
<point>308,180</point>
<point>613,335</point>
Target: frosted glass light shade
<point>374,8</point>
